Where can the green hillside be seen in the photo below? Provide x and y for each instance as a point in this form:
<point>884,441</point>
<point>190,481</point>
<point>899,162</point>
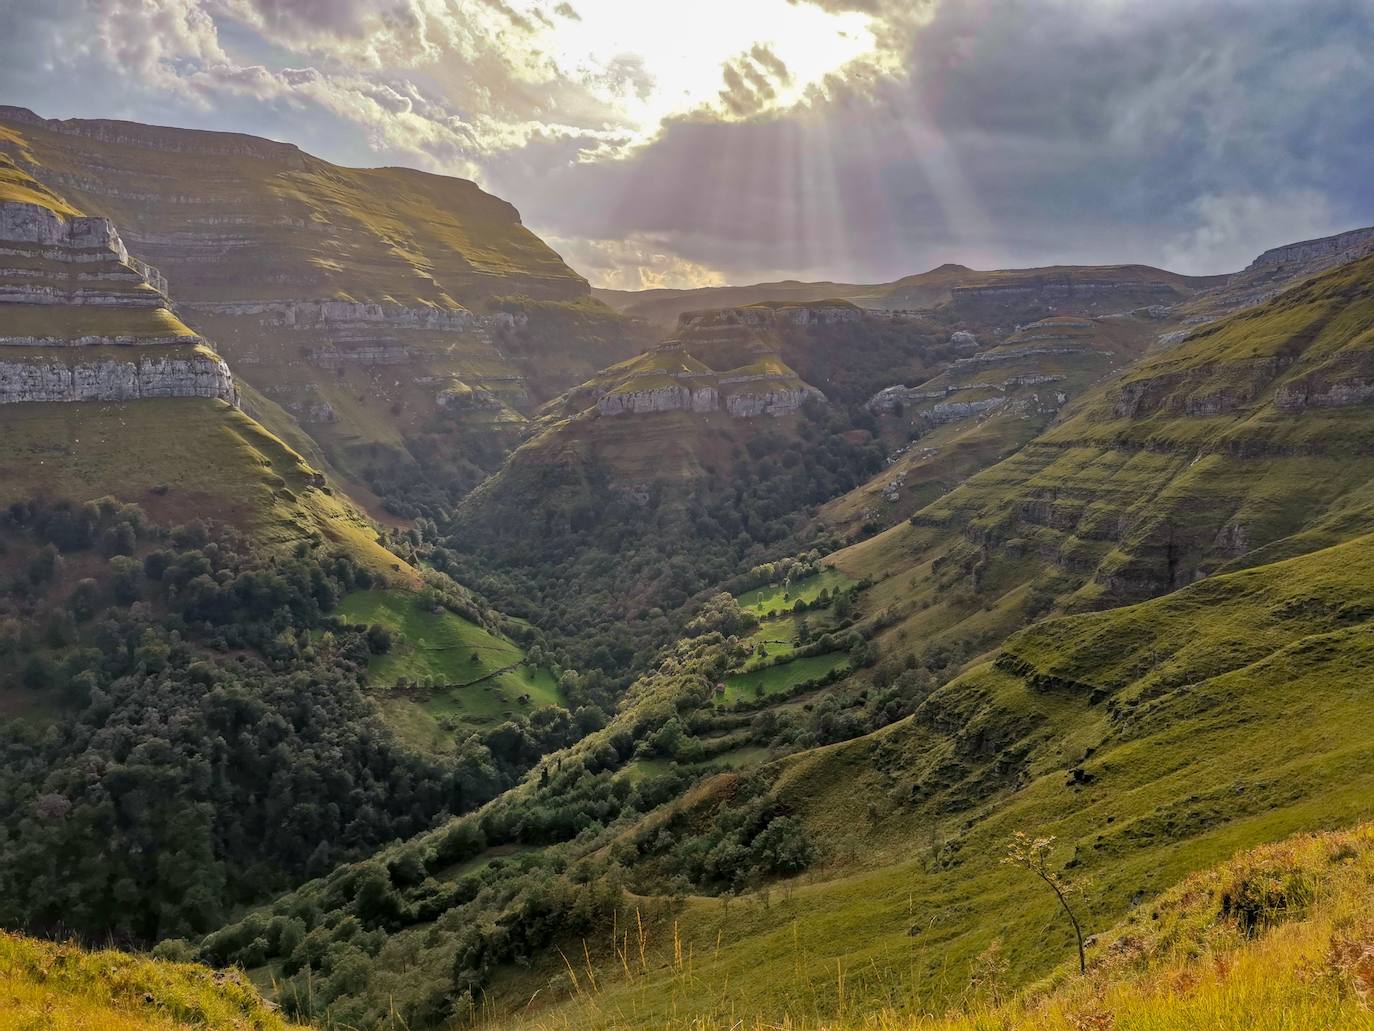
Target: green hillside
<point>408,322</point>
<point>64,988</point>
<point>459,675</point>
<point>801,851</point>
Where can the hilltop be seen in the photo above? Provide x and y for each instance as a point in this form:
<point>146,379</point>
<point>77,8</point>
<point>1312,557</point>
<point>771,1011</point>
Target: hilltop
<point>406,321</point>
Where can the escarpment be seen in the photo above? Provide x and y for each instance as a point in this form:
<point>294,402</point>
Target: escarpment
<point>83,321</point>
<point>727,361</point>
<point>1247,437</point>
<point>385,309</point>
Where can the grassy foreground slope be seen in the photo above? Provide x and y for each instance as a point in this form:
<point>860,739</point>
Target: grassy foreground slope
<point>64,988</point>
<point>1273,939</point>
<point>1229,714</point>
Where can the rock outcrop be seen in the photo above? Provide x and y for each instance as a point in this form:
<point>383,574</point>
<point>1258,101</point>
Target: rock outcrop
<point>80,320</point>
<point>139,376</point>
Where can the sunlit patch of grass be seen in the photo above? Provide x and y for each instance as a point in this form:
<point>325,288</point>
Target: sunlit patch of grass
<point>63,988</point>
<point>780,598</point>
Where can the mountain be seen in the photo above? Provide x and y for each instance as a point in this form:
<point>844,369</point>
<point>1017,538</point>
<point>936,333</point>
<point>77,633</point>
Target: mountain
<point>405,320</point>
<point>1007,293</point>
<point>218,677</point>
<point>104,391</point>
<point>1144,634</point>
<point>720,441</point>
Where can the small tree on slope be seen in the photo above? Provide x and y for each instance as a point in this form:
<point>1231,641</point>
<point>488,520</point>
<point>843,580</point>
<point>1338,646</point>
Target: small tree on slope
<point>1033,854</point>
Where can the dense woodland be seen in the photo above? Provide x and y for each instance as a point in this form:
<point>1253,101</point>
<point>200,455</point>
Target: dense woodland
<point>213,741</point>
<point>612,580</point>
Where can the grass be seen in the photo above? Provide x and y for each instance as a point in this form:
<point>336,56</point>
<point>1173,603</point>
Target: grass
<point>181,459</point>
<point>64,988</point>
<point>478,678</point>
<point>779,677</point>
<point>774,599</point>
<point>777,636</point>
<point>1275,939</point>
<point>75,321</point>
<point>1225,715</point>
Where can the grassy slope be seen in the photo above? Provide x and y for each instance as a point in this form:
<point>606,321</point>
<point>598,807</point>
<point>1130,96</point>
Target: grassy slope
<point>946,455</point>
<point>1222,715</point>
<point>1273,939</point>
<point>438,649</point>
<point>180,458</point>
<point>63,988</point>
<point>381,234</point>
<point>1248,726</point>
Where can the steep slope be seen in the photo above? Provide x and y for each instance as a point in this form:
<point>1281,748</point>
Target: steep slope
<point>362,301</point>
<point>67,989</point>
<point>105,391</point>
<point>1150,739</point>
<point>982,407</point>
<point>1239,444</point>
<point>1277,269</point>
<point>717,444</point>
<point>1273,938</point>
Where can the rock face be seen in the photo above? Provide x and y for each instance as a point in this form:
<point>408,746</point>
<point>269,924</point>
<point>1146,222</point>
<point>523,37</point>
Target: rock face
<point>80,320</point>
<point>726,360</point>
<point>1095,291</point>
<point>1326,252</point>
<point>202,375</point>
<point>1278,269</point>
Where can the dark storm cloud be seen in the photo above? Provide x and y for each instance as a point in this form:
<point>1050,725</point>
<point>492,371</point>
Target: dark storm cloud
<point>1176,133</point>
<point>993,132</point>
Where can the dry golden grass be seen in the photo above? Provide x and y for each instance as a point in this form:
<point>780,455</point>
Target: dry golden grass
<point>64,988</point>
<point>1280,938</point>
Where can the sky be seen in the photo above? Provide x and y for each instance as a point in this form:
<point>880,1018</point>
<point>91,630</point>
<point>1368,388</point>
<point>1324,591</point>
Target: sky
<point>700,142</point>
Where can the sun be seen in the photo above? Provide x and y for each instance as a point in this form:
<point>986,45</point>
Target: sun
<point>651,65</point>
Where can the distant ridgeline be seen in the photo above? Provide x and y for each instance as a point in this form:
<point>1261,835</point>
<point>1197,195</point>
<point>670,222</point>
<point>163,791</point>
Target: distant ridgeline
<point>82,320</point>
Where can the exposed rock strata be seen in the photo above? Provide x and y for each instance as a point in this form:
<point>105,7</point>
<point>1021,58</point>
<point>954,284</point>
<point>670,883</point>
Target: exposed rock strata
<point>198,375</point>
<point>37,248</point>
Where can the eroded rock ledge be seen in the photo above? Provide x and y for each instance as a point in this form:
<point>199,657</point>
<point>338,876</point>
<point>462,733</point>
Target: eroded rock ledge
<point>81,320</point>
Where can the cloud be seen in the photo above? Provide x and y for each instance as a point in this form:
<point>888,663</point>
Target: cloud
<point>851,139</point>
<point>1234,228</point>
<point>637,262</point>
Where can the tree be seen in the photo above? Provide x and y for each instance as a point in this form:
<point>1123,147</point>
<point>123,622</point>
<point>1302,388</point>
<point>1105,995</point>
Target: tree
<point>1033,854</point>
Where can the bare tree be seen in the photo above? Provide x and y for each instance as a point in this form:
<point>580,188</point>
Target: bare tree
<point>1033,854</point>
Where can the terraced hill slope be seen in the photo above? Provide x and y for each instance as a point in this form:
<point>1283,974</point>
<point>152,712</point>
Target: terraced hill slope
<point>982,407</point>
<point>105,391</point>
<point>362,301</point>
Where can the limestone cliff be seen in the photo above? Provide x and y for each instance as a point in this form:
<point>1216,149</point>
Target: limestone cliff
<point>358,300</point>
<point>726,360</point>
<point>83,321</point>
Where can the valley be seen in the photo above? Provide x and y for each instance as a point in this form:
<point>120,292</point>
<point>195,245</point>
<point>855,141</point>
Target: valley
<point>396,631</point>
